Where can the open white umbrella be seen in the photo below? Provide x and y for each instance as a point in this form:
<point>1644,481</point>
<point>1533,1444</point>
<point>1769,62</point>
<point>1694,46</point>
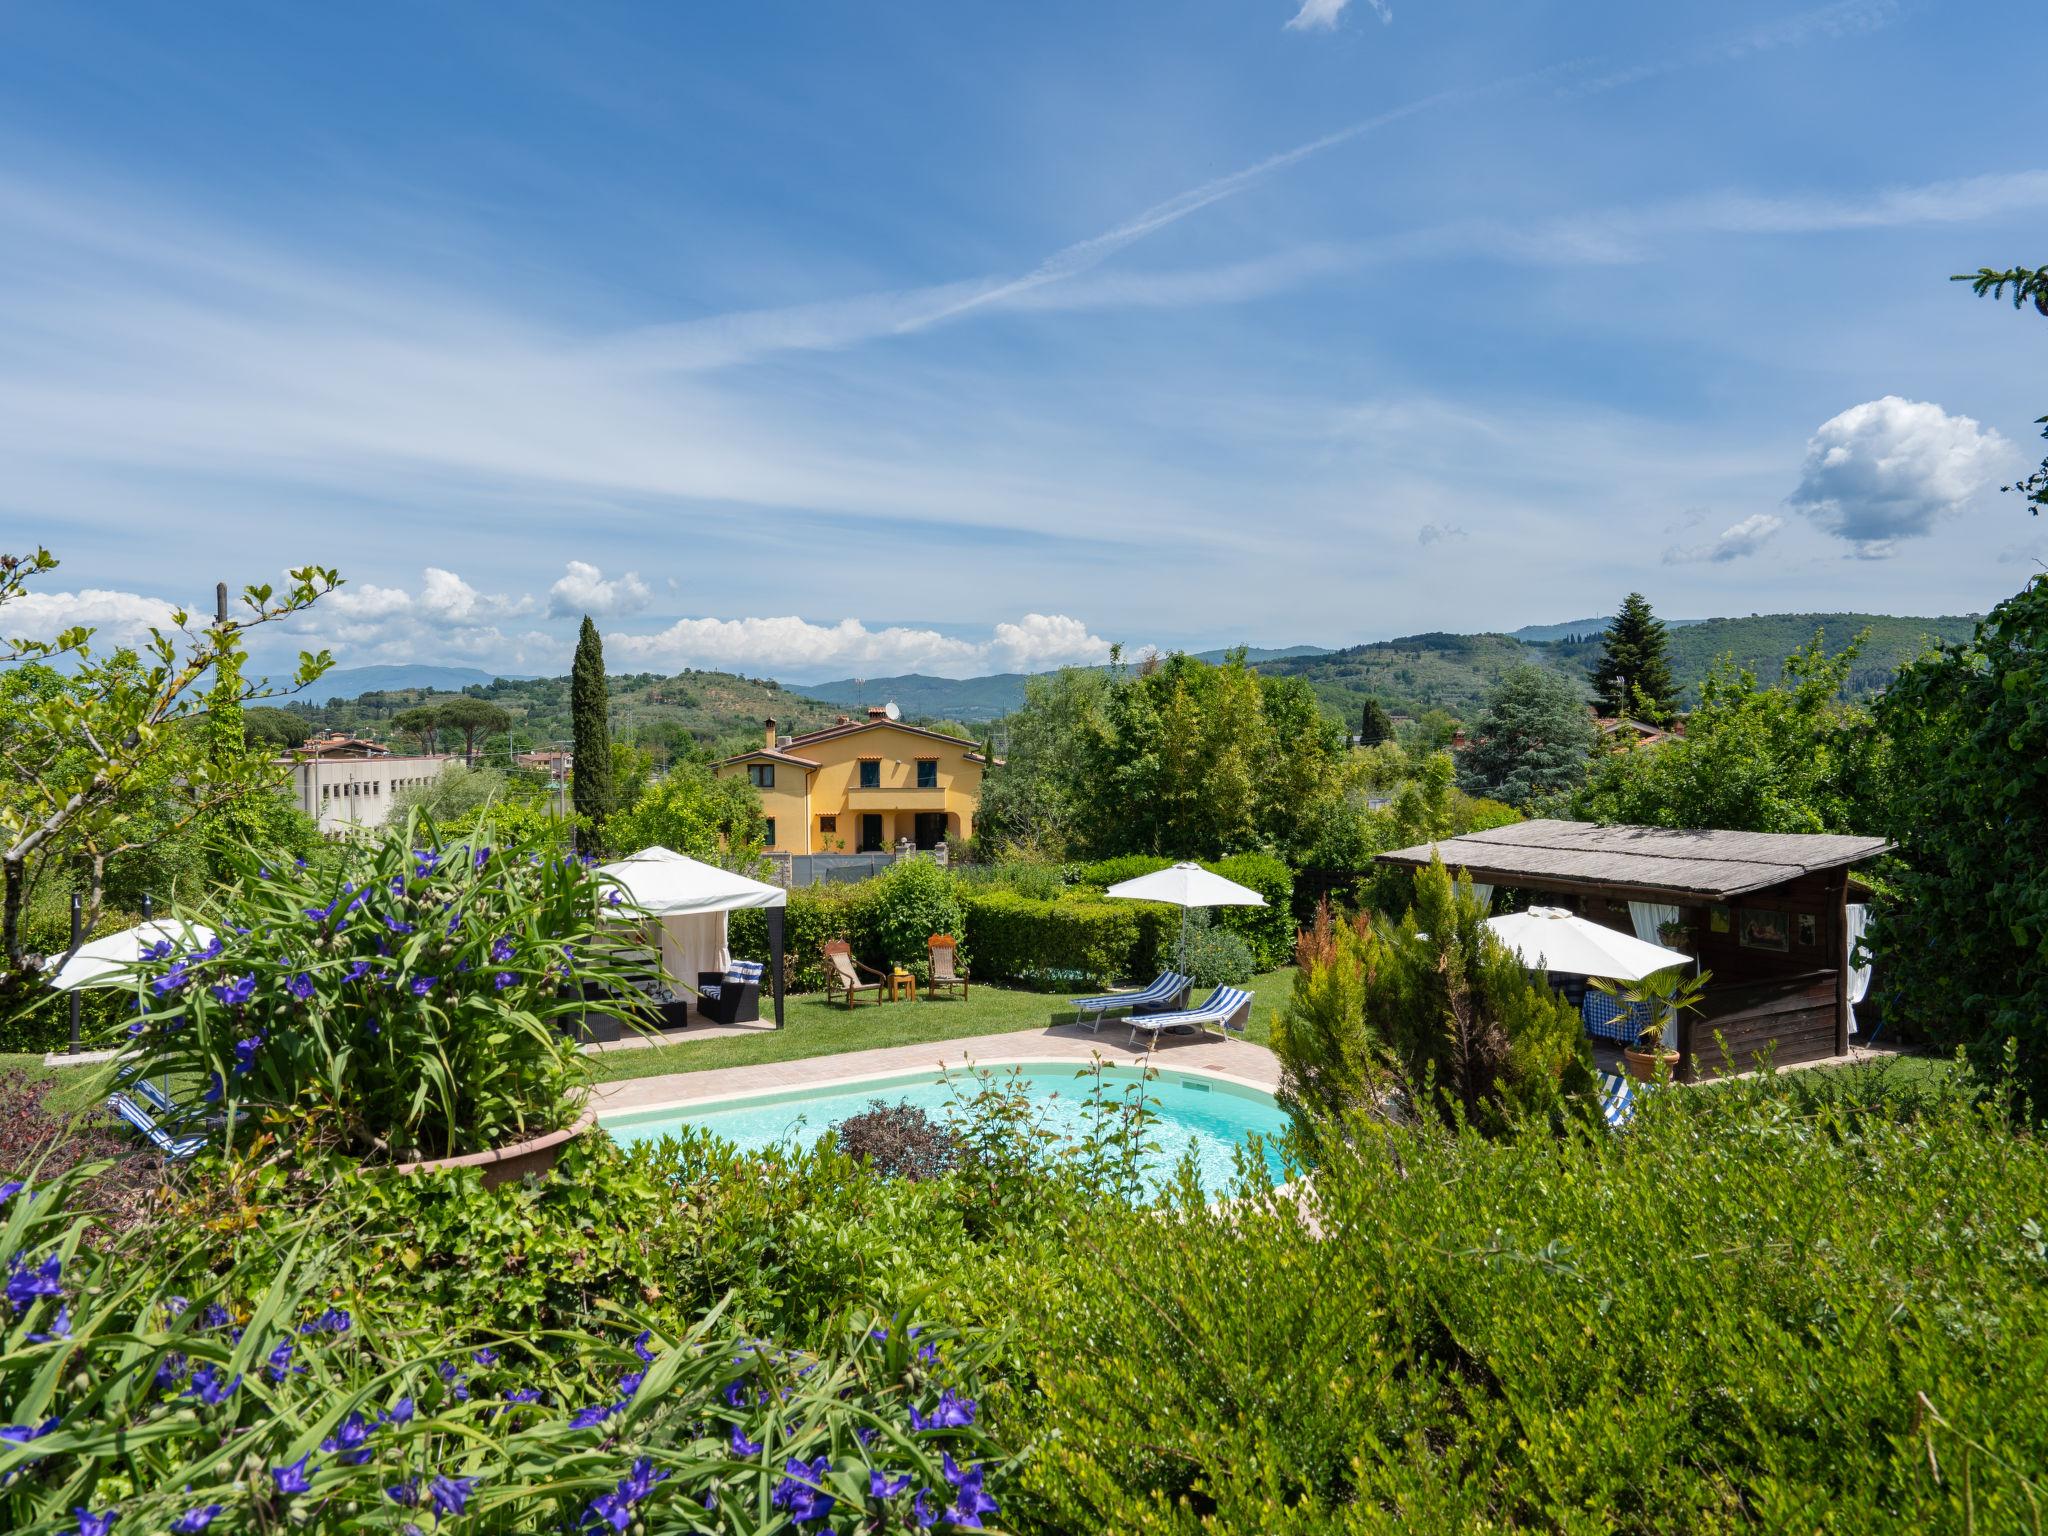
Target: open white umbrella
<point>1185,886</point>
<point>107,961</point>
<point>1553,939</point>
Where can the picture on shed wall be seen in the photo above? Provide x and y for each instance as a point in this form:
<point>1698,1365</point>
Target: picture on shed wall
<point>1763,929</point>
<point>1717,919</point>
<point>1809,929</point>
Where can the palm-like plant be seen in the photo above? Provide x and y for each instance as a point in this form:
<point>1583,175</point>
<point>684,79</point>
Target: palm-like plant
<point>1668,994</point>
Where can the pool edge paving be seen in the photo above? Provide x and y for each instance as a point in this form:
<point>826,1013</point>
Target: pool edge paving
<point>1240,1061</point>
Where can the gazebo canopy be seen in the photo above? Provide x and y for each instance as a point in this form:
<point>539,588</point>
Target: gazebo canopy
<point>664,883</point>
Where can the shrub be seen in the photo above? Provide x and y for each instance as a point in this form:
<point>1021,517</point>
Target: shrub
<point>897,1141</point>
<point>913,899</point>
<point>1268,930</point>
<point>814,914</point>
<point>1050,943</point>
<point>1213,955</point>
<point>238,1407</point>
<point>1729,1318</point>
<point>391,1001</point>
<point>41,1021</point>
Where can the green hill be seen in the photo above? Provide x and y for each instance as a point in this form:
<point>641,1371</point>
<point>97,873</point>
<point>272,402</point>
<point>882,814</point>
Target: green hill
<point>693,711</point>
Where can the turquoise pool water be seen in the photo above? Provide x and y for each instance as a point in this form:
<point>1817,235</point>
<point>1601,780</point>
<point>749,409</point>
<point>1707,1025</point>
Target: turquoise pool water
<point>1214,1118</point>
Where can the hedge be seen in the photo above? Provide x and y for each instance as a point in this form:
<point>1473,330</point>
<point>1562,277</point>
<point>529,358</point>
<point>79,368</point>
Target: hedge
<point>1050,943</point>
<point>45,1023</point>
<point>1269,930</point>
<point>886,920</point>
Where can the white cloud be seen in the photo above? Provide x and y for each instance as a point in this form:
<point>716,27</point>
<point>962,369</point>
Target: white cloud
<point>796,648</point>
<point>1890,469</point>
<point>1436,533</point>
<point>1743,538</point>
<point>445,618</point>
<point>1322,15</point>
<point>583,589</point>
<point>117,618</point>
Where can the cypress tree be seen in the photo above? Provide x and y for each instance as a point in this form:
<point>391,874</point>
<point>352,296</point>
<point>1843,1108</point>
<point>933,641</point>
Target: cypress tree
<point>1374,724</point>
<point>591,784</point>
<point>1633,676</point>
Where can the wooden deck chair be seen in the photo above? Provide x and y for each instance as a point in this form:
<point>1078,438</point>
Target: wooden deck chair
<point>945,966</point>
<point>843,973</point>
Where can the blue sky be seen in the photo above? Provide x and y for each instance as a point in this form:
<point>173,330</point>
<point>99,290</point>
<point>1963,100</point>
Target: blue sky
<point>816,340</point>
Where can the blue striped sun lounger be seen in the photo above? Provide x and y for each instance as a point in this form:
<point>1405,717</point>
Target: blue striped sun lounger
<point>1227,1008</point>
<point>1162,992</point>
<point>141,1119</point>
<point>1617,1100</point>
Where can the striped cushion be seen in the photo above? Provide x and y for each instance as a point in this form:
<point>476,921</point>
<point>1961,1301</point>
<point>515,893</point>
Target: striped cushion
<point>1222,1003</point>
<point>1609,1018</point>
<point>1617,1100</point>
<point>1167,984</point>
<point>740,972</point>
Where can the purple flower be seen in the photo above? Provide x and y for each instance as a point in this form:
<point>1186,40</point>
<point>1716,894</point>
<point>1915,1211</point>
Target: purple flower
<point>10,1189</point>
<point>193,1521</point>
<point>357,971</point>
<point>881,1486</point>
<point>161,950</point>
<point>969,1502</point>
<point>590,1418</point>
<point>501,950</point>
<point>321,914</point>
<point>301,987</point>
<point>736,1393</point>
<point>169,1371</point>
<point>921,1511</point>
<point>171,980</point>
<point>613,898</point>
<point>291,1478</point>
<point>21,1434</point>
<point>26,1283</point>
<point>742,1446</point>
<point>395,925</point>
<point>450,1494</point>
<point>210,1387</point>
<point>280,1364</point>
<point>640,1346</point>
<point>210,951</point>
<point>801,1491</point>
<point>215,1316</point>
<point>483,857</point>
<point>60,1329</point>
<point>214,1088</point>
<point>90,1524</point>
<point>523,1395</point>
<point>629,1383</point>
<point>502,980</point>
<point>422,985</point>
<point>953,1412</point>
<point>616,1508</point>
<point>400,1412</point>
<point>349,1440</point>
<point>485,1357</point>
<point>245,1053</point>
<point>406,1494</point>
<point>865,1434</point>
<point>333,1320</point>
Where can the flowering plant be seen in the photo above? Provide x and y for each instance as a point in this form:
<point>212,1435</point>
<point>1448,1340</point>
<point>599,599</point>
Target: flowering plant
<point>395,999</point>
<point>127,1409</point>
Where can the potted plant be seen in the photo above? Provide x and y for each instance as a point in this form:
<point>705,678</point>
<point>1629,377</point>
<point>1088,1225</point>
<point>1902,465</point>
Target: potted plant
<point>396,1001</point>
<point>1668,993</point>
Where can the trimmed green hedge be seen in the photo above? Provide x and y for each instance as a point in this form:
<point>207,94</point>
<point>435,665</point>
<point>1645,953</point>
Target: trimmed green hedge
<point>44,1023</point>
<point>1269,930</point>
<point>1050,943</point>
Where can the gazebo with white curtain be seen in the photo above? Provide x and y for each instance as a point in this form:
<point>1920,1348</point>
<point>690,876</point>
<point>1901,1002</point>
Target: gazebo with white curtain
<point>688,901</point>
<point>1767,913</point>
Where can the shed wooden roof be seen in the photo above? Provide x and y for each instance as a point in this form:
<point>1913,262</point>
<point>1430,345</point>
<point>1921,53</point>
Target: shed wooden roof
<point>1583,855</point>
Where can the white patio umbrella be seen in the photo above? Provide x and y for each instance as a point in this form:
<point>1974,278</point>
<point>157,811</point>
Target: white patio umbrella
<point>1185,886</point>
<point>107,961</point>
<point>1553,939</point>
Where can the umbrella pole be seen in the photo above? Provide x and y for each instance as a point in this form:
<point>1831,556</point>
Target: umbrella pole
<point>1181,957</point>
<point>74,991</point>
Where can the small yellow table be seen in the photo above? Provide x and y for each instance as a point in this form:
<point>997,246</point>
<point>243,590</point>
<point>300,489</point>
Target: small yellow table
<point>902,986</point>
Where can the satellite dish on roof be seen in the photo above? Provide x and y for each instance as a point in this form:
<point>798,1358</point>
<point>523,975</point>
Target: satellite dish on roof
<point>892,711</point>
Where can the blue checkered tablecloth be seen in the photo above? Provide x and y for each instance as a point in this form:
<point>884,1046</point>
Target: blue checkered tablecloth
<point>1609,1018</point>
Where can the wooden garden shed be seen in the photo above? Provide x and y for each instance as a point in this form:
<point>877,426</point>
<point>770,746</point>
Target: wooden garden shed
<point>1768,913</point>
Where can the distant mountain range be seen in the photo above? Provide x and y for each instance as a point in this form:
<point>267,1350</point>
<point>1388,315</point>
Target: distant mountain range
<point>400,677</point>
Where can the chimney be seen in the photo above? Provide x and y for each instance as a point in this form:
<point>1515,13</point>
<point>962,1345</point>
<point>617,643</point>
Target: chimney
<point>768,733</point>
<point>877,712</point>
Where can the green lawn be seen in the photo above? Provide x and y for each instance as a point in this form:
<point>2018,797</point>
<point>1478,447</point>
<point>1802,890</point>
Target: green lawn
<point>814,1027</point>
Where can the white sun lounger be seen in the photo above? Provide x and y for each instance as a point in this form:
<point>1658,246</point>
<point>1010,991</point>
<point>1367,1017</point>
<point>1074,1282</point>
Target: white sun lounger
<point>1162,992</point>
<point>1227,1008</point>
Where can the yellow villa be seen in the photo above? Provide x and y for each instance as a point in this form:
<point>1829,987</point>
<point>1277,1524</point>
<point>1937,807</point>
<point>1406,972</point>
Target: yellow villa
<point>861,786</point>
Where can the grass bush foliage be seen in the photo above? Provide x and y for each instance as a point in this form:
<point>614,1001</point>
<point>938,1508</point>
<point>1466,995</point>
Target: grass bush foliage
<point>1050,943</point>
<point>1734,1316</point>
<point>42,1019</point>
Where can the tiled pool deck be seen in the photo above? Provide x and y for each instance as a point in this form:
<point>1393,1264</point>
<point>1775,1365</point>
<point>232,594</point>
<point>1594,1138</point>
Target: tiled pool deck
<point>1237,1059</point>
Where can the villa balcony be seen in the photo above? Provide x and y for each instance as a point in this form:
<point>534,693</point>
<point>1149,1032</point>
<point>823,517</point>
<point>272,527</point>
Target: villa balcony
<point>897,797</point>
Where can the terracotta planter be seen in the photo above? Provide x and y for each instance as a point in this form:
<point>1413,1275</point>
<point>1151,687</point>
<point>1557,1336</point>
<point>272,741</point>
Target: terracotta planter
<point>1642,1065</point>
<point>504,1164</point>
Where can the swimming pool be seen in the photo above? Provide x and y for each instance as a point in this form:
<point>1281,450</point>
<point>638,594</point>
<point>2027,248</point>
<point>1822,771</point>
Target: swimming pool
<point>1212,1115</point>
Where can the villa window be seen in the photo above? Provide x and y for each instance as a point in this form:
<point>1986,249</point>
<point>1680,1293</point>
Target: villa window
<point>770,838</point>
<point>828,825</point>
<point>927,773</point>
<point>871,773</point>
<point>761,775</point>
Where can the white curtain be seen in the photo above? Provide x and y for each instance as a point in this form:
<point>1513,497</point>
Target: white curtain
<point>1649,917</point>
<point>692,942</point>
<point>1483,892</point>
<point>1859,971</point>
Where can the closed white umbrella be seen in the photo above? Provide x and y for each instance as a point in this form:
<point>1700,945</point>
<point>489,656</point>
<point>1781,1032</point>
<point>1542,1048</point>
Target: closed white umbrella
<point>1185,886</point>
<point>107,961</point>
<point>1553,939</point>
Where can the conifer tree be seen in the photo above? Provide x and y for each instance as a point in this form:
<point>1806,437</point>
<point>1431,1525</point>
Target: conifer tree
<point>591,782</point>
<point>1633,676</point>
<point>1374,725</point>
